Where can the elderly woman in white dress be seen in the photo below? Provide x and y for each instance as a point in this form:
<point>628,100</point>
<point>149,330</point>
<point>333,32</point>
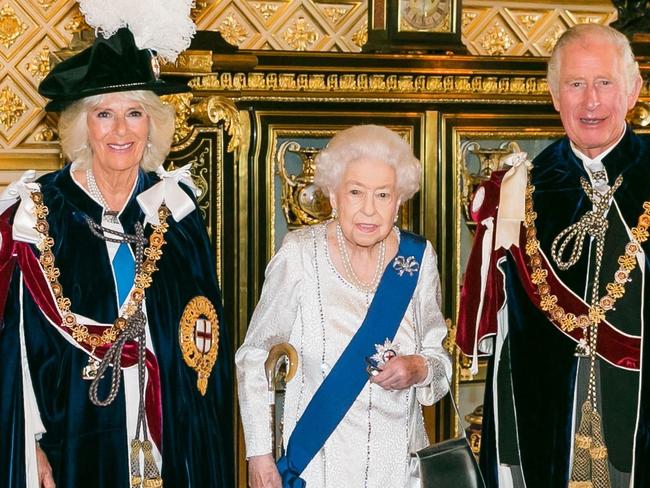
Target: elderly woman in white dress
<point>360,301</point>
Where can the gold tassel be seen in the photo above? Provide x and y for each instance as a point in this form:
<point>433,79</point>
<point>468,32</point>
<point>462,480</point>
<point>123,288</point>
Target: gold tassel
<point>598,453</point>
<point>136,479</point>
<point>581,470</point>
<point>152,478</point>
<point>590,466</point>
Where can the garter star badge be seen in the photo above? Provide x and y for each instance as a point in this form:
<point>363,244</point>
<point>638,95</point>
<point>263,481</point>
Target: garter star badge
<point>199,338</point>
<point>385,352</point>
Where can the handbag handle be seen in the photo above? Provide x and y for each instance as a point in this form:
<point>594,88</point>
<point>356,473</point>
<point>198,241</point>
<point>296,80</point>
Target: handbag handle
<point>453,402</point>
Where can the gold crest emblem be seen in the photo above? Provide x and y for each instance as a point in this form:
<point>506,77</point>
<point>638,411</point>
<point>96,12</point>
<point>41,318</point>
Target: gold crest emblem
<point>199,338</point>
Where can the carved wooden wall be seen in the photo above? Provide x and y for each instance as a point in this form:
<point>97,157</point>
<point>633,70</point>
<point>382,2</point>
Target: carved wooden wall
<point>488,27</point>
<point>31,29</point>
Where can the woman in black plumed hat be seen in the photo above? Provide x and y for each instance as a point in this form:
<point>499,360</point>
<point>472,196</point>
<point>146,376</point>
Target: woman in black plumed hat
<point>107,262</point>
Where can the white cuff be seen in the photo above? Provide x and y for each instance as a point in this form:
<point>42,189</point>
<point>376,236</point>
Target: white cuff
<point>429,377</point>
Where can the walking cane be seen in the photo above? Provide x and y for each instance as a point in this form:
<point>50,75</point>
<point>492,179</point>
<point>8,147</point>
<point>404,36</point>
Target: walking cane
<point>280,366</point>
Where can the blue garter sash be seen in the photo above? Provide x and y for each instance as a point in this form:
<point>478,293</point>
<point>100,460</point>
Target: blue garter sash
<point>347,378</point>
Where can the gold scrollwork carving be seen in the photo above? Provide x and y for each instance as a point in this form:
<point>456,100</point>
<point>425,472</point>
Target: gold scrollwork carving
<point>192,62</point>
<point>46,4</point>
<point>468,17</point>
<point>300,35</point>
<point>449,343</point>
<point>640,114</point>
<point>197,9</point>
<point>40,64</point>
<point>181,103</point>
<point>497,41</point>
<point>265,9</point>
<point>76,24</point>
<point>201,164</point>
<point>217,109</point>
<point>233,31</point>
<point>200,159</point>
<point>11,27</point>
<point>12,108</point>
<point>552,37</point>
<point>303,203</point>
<point>199,338</point>
<point>45,134</point>
<point>362,83</point>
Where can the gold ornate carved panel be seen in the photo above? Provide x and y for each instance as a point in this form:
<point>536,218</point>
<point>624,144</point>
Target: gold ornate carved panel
<point>488,28</point>
<point>525,28</point>
<point>31,30</point>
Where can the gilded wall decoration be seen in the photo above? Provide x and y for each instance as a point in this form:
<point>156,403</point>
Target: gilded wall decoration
<point>11,26</point>
<point>303,203</point>
<point>300,35</point>
<point>39,66</point>
<point>181,103</point>
<point>11,108</point>
<point>488,27</point>
<point>364,85</point>
<point>31,29</point>
<point>217,109</point>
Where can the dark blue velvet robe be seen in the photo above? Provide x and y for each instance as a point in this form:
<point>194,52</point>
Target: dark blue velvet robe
<point>85,444</point>
<point>541,358</point>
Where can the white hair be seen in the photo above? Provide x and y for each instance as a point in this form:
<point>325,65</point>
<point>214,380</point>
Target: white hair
<point>372,142</point>
<point>73,129</point>
<point>582,32</point>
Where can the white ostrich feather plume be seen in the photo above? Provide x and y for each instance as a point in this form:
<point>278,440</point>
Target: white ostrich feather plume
<point>162,25</point>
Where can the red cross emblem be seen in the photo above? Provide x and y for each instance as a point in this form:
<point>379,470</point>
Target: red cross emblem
<point>198,337</point>
<point>203,335</point>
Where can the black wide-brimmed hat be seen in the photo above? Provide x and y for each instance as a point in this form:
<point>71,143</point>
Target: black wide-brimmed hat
<point>109,65</point>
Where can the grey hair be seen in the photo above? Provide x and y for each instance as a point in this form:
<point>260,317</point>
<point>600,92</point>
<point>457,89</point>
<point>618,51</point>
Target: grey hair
<point>73,129</point>
<point>581,32</point>
<point>373,142</point>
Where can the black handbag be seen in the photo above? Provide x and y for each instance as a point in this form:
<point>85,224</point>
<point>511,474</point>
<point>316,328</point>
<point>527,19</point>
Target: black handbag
<point>449,463</point>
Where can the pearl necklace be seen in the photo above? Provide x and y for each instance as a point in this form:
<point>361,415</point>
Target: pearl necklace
<point>347,264</point>
<point>111,216</point>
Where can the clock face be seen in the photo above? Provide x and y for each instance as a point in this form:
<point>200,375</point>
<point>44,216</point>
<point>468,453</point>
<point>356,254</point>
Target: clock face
<point>424,15</point>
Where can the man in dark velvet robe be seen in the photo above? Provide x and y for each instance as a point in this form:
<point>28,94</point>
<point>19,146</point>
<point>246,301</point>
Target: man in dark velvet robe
<point>559,270</point>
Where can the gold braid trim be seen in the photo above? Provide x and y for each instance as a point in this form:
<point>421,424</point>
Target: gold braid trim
<point>142,279</point>
<point>615,290</point>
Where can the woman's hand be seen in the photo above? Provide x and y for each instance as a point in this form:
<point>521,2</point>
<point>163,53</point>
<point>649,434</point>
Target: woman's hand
<point>44,470</point>
<point>401,372</point>
<point>262,472</point>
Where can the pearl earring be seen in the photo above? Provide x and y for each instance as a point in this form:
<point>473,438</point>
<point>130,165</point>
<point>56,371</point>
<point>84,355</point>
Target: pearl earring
<point>335,214</point>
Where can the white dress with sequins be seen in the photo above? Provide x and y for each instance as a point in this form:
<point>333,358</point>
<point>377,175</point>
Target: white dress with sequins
<point>306,302</point>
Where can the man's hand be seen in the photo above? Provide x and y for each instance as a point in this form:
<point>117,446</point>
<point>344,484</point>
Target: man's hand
<point>262,472</point>
<point>44,470</point>
<point>401,372</point>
